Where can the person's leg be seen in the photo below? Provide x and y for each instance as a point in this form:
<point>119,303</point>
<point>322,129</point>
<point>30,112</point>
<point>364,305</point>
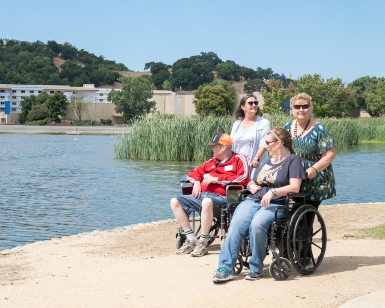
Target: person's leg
<point>210,204</point>
<point>258,238</point>
<point>316,204</point>
<point>182,206</point>
<point>238,228</point>
<point>180,214</point>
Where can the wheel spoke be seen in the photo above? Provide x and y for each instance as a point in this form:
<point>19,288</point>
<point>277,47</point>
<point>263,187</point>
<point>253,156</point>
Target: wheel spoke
<point>312,256</point>
<point>314,233</point>
<point>316,245</point>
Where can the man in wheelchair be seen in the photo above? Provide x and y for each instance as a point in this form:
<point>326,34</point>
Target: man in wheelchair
<point>282,174</point>
<point>209,190</point>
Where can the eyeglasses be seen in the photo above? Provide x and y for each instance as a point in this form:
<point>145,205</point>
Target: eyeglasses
<point>253,103</point>
<point>268,142</point>
<point>304,107</point>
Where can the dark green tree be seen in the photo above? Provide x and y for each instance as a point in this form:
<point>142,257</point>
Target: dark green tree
<point>376,100</point>
<point>363,86</point>
<point>38,112</point>
<point>28,102</point>
<point>228,87</point>
<point>214,100</point>
<point>255,85</point>
<point>53,46</point>
<point>57,104</point>
<point>133,101</point>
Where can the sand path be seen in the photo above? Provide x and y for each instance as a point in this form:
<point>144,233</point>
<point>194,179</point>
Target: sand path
<point>137,267</point>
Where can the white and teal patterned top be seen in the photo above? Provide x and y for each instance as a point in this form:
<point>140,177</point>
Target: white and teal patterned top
<point>309,148</point>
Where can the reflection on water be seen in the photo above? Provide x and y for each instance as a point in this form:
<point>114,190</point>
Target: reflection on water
<point>53,186</point>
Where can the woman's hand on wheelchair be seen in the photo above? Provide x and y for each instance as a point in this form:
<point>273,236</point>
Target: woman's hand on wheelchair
<point>197,190</point>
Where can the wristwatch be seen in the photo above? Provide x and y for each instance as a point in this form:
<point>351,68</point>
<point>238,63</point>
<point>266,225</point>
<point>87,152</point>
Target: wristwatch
<point>257,159</point>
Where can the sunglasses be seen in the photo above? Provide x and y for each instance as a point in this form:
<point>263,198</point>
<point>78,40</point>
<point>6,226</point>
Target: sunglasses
<point>304,107</point>
<point>268,142</point>
<point>253,103</point>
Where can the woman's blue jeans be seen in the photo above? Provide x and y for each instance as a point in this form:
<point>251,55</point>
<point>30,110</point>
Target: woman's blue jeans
<point>248,216</point>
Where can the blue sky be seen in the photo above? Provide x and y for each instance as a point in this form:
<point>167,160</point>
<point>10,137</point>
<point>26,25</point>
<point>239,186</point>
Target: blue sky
<point>339,38</point>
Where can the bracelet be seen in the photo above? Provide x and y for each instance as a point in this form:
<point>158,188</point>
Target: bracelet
<point>314,169</point>
<point>258,160</point>
<point>248,186</point>
<point>273,191</point>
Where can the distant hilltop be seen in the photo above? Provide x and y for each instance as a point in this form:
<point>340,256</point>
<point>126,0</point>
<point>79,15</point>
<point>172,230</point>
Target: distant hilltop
<point>24,62</point>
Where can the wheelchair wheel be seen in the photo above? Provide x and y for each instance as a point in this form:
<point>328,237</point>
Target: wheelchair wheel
<point>213,233</point>
<point>238,265</point>
<point>180,239</point>
<point>306,239</point>
<point>280,271</point>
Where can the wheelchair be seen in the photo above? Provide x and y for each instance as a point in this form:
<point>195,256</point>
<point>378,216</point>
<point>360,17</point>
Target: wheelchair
<point>298,240</point>
<point>232,196</point>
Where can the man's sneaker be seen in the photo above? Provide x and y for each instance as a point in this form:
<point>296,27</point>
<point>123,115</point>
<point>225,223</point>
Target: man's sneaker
<point>222,274</point>
<point>200,249</point>
<point>186,248</point>
<point>253,275</point>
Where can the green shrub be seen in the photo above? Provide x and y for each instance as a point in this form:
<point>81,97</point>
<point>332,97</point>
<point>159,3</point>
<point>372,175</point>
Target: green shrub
<point>106,122</point>
<point>84,123</point>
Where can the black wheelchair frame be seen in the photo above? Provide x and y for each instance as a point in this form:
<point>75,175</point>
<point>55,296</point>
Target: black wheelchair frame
<point>299,240</point>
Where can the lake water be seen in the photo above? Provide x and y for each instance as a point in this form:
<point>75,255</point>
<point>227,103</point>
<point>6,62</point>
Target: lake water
<point>52,186</point>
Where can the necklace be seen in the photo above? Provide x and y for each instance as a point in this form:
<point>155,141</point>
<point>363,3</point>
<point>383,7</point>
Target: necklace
<point>295,129</point>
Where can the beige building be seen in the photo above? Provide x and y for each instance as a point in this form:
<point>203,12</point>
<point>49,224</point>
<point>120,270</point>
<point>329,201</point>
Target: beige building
<point>98,106</point>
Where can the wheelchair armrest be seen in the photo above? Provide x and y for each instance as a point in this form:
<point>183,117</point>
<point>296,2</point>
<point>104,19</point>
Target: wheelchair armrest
<point>299,195</point>
<point>245,192</point>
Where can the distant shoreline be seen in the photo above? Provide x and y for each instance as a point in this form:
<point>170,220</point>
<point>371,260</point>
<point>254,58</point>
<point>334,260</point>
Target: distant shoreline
<point>58,130</point>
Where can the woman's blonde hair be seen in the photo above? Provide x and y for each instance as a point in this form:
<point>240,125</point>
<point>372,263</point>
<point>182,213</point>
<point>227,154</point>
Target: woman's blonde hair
<point>306,97</point>
<point>281,134</point>
<point>303,96</point>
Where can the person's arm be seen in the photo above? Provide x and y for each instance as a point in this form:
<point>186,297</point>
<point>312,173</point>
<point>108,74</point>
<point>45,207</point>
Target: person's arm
<point>253,187</point>
<point>261,145</point>
<point>326,159</point>
<point>293,187</point>
<point>195,177</point>
<point>241,175</point>
<point>256,160</point>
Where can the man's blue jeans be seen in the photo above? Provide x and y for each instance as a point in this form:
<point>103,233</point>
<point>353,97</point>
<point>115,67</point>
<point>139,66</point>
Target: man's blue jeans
<point>249,216</point>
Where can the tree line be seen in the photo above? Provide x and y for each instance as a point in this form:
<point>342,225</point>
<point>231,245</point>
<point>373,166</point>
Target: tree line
<point>32,63</point>
<point>190,73</point>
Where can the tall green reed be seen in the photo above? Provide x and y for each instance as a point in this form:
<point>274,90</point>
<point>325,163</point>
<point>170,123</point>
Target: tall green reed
<point>182,138</point>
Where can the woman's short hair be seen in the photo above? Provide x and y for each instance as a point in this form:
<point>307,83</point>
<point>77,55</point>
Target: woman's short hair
<point>303,96</point>
<point>306,97</point>
<point>283,136</point>
<point>239,113</point>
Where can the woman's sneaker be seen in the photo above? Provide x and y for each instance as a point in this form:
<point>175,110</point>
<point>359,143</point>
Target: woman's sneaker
<point>222,274</point>
<point>186,248</point>
<point>253,275</point>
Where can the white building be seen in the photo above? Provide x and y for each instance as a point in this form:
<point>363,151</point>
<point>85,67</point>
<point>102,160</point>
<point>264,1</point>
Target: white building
<point>15,93</point>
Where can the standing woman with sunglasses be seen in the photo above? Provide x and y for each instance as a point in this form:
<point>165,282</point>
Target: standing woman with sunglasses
<point>313,143</point>
<point>249,133</point>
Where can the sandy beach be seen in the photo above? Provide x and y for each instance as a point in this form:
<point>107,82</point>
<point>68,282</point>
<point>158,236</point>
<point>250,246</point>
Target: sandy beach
<point>136,266</point>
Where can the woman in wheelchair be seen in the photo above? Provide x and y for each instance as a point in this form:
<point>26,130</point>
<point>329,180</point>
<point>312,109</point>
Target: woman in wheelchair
<point>280,175</point>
